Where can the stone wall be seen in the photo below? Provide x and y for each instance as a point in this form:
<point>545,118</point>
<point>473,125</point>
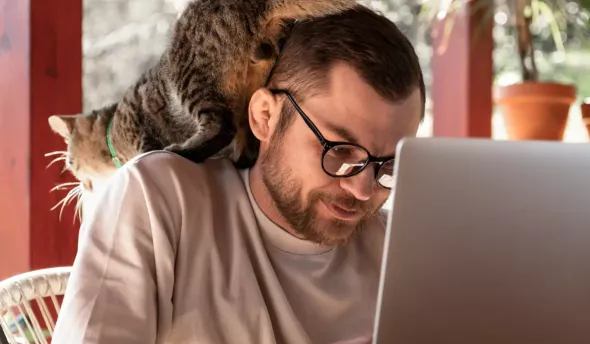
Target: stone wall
<point>121,39</point>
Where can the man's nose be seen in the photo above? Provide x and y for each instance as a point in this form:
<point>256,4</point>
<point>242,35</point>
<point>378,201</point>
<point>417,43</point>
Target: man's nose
<point>361,186</point>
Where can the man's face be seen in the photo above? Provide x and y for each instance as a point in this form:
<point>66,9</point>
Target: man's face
<point>317,206</point>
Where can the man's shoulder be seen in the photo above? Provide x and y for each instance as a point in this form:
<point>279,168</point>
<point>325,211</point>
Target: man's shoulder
<point>166,170</point>
<point>164,163</point>
<point>164,160</point>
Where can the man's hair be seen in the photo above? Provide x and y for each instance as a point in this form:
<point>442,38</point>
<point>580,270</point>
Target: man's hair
<point>366,41</point>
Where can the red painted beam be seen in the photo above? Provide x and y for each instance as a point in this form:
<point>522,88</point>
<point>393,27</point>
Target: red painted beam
<point>462,69</point>
<point>41,69</point>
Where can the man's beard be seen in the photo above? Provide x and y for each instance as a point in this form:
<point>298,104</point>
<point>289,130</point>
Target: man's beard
<point>285,190</point>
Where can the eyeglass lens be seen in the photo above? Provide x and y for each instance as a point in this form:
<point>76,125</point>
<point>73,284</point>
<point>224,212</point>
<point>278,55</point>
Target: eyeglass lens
<point>347,160</point>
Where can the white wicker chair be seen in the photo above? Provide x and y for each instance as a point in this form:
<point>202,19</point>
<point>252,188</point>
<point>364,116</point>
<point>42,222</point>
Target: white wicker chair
<point>25,316</point>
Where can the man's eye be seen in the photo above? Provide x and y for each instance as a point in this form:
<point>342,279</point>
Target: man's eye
<point>343,152</point>
<point>339,150</point>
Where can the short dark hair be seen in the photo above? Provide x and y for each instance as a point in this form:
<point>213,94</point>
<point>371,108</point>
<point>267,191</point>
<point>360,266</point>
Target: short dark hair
<point>361,38</point>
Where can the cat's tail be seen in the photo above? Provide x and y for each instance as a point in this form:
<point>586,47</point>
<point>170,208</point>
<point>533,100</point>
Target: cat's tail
<point>306,9</point>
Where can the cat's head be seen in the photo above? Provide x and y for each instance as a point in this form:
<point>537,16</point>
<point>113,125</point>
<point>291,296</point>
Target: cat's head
<point>87,157</point>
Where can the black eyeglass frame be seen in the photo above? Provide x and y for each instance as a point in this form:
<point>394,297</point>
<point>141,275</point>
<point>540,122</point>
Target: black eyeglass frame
<point>328,145</point>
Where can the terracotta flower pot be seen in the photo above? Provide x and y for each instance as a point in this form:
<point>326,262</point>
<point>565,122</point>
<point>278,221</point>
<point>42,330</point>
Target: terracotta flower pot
<point>536,110</point>
<point>586,114</point>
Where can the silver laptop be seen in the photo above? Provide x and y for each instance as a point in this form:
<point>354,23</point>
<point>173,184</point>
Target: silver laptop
<point>488,242</point>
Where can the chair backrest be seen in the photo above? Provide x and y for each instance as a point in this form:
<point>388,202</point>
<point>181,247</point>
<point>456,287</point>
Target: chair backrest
<point>30,303</point>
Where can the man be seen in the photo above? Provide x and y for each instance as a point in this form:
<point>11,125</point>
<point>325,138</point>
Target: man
<point>288,251</point>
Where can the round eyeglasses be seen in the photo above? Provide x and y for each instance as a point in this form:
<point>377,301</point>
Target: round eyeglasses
<point>344,159</point>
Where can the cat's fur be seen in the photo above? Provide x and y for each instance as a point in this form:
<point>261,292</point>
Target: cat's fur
<point>194,100</point>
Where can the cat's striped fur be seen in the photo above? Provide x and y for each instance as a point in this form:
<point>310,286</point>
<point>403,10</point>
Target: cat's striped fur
<point>194,100</point>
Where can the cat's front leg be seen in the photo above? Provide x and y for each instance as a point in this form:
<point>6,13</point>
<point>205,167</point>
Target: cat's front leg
<point>215,131</point>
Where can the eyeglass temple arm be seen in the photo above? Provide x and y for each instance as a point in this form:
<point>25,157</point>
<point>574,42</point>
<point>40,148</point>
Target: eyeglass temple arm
<point>306,119</point>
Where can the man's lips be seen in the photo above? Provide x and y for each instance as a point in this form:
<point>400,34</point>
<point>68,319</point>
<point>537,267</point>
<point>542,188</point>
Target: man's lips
<point>342,212</point>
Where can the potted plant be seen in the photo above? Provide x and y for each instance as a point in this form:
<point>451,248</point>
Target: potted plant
<point>532,109</point>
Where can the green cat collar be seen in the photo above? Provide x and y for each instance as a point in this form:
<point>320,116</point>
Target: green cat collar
<point>110,144</point>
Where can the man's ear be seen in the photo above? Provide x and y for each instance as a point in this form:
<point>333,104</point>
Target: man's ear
<point>63,124</point>
<point>263,112</point>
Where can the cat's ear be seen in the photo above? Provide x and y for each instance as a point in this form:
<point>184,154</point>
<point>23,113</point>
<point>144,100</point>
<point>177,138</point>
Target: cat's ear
<point>63,124</point>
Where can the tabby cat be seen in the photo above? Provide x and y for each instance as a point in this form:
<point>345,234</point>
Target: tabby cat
<point>194,100</point>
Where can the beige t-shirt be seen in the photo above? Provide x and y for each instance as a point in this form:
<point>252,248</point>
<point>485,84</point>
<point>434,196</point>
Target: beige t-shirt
<point>178,252</point>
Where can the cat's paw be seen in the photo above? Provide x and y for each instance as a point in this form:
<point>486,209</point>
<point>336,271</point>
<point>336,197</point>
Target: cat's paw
<point>186,153</point>
<point>174,148</point>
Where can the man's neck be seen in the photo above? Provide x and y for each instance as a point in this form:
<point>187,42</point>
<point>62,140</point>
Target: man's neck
<point>265,201</point>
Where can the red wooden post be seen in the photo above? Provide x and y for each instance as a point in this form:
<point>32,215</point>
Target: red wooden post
<point>462,75</point>
<point>40,75</point>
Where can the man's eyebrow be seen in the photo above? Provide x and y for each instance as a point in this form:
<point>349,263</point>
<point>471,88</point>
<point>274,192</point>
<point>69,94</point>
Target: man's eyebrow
<point>347,135</point>
<point>342,132</point>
